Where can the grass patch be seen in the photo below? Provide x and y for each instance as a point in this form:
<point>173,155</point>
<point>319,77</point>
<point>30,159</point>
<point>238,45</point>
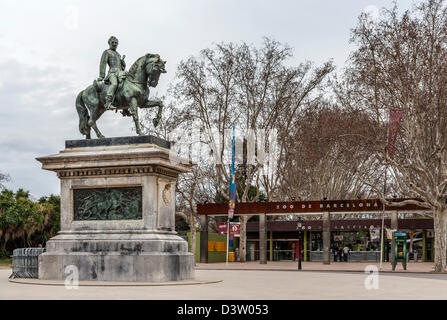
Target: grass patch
<point>5,261</point>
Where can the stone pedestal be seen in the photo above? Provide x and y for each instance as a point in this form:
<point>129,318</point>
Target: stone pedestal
<point>117,213</point>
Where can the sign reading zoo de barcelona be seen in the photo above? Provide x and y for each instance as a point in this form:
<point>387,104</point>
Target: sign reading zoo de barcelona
<point>123,203</point>
<point>358,205</point>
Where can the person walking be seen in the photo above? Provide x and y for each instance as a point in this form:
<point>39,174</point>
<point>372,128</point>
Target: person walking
<point>340,254</point>
<point>335,253</point>
<point>346,253</point>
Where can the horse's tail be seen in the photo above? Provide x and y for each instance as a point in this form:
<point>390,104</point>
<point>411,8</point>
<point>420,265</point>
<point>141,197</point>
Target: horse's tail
<point>83,115</point>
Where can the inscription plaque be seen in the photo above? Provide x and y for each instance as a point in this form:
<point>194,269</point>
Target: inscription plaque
<point>118,203</point>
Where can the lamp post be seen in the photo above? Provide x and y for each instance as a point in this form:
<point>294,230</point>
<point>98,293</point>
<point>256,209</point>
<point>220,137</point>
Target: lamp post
<point>299,227</point>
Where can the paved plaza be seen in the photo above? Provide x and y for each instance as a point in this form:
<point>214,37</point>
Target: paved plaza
<point>251,284</point>
<point>412,267</point>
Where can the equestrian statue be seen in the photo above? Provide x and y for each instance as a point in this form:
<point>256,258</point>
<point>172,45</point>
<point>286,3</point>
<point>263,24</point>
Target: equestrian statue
<point>120,90</point>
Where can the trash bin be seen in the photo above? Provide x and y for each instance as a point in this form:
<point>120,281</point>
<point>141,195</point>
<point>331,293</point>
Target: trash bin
<point>231,256</point>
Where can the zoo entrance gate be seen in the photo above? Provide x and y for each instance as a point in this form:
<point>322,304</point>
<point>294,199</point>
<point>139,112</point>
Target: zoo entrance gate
<point>324,208</point>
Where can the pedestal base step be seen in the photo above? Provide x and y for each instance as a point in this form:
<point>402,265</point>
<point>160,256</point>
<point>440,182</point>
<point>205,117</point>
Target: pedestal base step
<point>146,267</point>
<point>113,283</point>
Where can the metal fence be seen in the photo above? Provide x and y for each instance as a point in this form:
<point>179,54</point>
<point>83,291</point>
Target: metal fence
<point>353,256</point>
<point>278,255</point>
<point>25,262</point>
<point>289,255</point>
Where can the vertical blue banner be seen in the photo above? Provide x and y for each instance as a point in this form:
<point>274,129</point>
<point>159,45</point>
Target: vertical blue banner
<point>232,203</point>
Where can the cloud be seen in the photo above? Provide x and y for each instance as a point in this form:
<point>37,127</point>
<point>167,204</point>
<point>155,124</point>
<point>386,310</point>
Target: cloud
<point>49,52</point>
<point>37,115</point>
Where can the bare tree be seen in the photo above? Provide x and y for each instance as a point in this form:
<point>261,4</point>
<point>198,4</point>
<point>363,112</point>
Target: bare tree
<point>3,178</point>
<point>193,188</point>
<point>253,89</point>
<point>400,63</point>
<point>315,144</point>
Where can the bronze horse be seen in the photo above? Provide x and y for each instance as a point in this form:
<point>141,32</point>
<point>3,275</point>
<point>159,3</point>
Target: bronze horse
<point>132,93</point>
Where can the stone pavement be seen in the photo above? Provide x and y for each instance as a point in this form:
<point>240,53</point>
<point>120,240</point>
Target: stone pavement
<point>418,267</point>
<point>250,285</point>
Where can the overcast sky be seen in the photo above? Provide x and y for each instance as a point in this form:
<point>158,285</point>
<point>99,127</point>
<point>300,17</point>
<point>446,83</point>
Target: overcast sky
<point>50,50</point>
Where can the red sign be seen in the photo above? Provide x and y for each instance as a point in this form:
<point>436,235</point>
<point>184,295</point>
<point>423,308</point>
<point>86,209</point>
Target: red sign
<point>222,226</point>
<point>235,228</point>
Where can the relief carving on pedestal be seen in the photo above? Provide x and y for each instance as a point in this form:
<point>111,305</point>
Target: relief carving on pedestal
<point>166,194</point>
<point>123,203</point>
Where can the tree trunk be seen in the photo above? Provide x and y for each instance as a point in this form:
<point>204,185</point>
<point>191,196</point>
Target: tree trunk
<point>192,229</point>
<point>28,240</point>
<point>243,238</point>
<point>7,236</point>
<point>440,228</point>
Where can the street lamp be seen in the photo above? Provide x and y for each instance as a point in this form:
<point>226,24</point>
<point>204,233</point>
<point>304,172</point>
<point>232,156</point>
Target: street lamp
<point>299,227</point>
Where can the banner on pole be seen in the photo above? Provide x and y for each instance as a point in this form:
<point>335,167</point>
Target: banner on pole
<point>232,202</point>
<point>235,229</point>
<point>222,226</point>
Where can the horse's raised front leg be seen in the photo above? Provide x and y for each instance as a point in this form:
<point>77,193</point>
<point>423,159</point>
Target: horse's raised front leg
<point>134,112</point>
<point>152,104</point>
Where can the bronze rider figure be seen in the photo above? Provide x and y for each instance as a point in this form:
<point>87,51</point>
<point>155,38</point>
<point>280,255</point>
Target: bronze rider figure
<point>116,65</point>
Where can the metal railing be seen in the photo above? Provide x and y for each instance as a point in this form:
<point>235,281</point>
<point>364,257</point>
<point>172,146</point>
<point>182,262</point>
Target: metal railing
<point>353,256</point>
<point>278,255</point>
<point>25,262</point>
